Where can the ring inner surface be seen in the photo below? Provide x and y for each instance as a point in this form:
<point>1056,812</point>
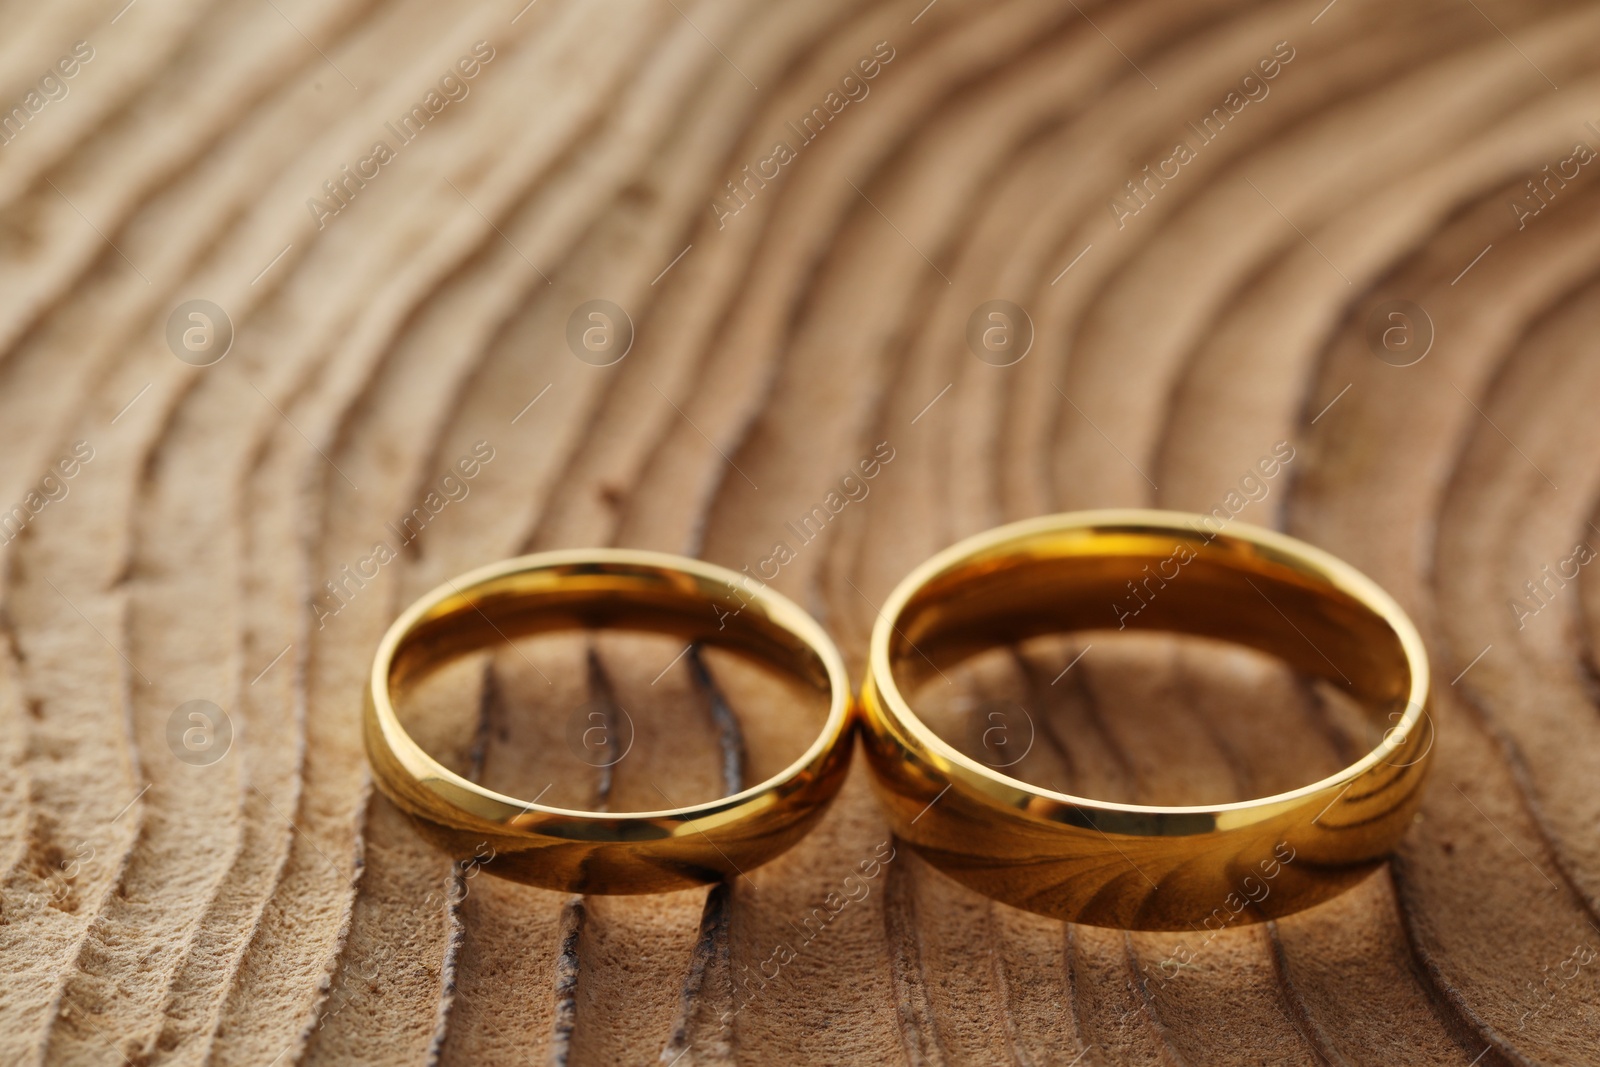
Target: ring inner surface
<point>601,597</point>
<point>1175,582</point>
<point>617,688</point>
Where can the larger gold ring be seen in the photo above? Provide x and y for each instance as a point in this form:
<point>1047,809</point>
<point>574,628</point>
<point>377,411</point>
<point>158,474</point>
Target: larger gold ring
<point>1129,865</point>
<point>594,852</point>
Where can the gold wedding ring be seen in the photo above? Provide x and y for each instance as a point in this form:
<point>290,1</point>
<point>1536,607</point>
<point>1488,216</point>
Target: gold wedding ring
<point>1130,865</point>
<point>595,852</point>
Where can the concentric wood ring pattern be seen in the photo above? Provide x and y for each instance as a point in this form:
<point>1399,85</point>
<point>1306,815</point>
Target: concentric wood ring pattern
<point>269,908</point>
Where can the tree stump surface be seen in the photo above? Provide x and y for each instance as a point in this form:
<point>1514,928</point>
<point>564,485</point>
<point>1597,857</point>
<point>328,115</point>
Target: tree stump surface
<point>1363,233</point>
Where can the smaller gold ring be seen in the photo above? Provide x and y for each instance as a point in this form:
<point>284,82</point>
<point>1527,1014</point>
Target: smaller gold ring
<point>602,852</point>
<point>1137,866</point>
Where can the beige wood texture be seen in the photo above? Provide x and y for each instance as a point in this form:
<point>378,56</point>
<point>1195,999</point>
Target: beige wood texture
<point>269,908</point>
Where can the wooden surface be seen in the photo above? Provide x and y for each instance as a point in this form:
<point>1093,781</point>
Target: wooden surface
<point>268,908</point>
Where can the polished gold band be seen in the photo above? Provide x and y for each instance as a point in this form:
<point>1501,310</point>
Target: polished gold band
<point>592,852</point>
<point>1129,865</point>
